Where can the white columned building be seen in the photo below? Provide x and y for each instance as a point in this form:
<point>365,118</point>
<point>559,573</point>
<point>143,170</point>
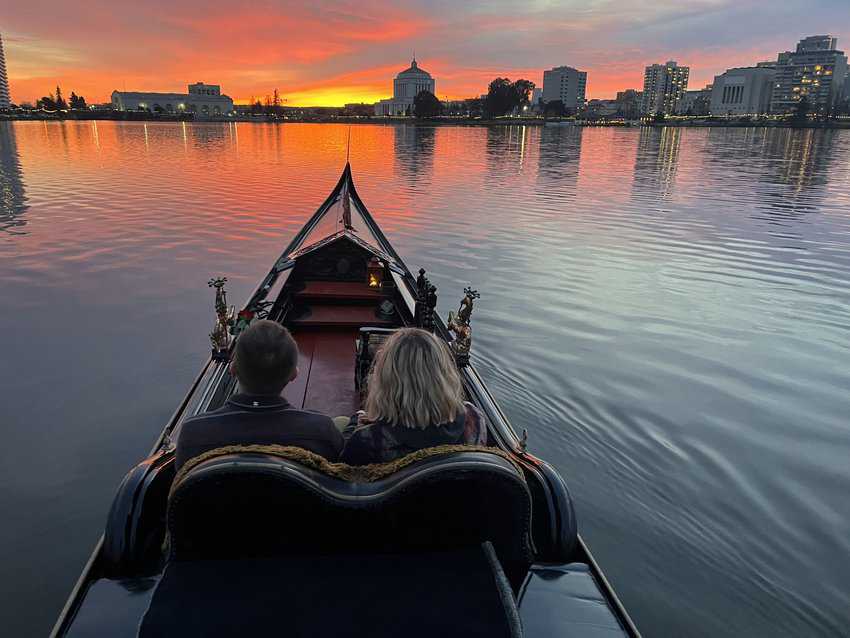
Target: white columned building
<point>406,86</point>
<point>743,91</point>
<point>202,99</point>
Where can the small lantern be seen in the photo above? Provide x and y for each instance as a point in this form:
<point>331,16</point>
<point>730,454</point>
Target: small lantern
<point>374,273</point>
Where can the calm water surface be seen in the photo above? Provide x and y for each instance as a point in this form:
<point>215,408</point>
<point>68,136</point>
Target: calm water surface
<point>665,310</point>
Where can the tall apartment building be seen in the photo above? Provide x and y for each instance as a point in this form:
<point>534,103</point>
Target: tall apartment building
<point>5,99</point>
<point>744,90</point>
<point>816,70</point>
<point>566,84</point>
<point>663,86</point>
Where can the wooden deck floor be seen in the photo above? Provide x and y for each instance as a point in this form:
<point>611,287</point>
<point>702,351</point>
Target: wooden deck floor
<point>325,380</point>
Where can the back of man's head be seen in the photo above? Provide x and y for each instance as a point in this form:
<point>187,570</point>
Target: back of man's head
<point>265,359</point>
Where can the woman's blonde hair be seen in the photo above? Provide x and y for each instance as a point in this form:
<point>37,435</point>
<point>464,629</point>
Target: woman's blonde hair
<point>414,381</point>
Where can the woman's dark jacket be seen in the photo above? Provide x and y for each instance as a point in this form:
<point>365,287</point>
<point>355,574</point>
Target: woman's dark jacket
<point>380,442</point>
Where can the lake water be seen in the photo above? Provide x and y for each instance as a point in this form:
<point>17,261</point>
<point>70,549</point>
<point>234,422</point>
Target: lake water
<point>667,311</point>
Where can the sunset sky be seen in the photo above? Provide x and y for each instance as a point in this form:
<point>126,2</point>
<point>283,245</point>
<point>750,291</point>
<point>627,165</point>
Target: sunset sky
<point>333,52</point>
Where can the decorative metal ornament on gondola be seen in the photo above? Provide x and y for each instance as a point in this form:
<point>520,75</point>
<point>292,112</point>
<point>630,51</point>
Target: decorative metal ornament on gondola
<point>220,338</point>
<point>426,302</point>
<point>459,325</point>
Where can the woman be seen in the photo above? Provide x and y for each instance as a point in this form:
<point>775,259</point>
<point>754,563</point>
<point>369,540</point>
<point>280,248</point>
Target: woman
<point>414,401</point>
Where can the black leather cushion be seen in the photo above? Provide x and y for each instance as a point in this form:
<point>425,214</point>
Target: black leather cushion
<point>251,505</point>
<point>459,593</point>
<point>566,600</point>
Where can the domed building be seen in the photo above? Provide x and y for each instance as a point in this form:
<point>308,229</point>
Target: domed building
<point>406,86</point>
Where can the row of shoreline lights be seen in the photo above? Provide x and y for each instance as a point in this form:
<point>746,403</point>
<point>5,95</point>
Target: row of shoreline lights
<point>180,107</point>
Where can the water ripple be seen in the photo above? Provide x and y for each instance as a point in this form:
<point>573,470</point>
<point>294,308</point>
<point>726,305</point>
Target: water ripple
<point>665,310</point>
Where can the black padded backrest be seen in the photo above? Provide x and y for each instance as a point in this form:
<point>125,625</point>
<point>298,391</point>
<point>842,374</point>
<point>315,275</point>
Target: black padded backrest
<point>252,505</point>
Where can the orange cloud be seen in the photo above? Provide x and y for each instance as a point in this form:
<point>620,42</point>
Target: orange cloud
<point>339,51</point>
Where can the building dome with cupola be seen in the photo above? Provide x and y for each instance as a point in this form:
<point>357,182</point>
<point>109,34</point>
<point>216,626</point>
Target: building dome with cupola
<point>406,86</point>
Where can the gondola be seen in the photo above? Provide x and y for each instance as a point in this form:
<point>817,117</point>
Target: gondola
<point>267,540</point>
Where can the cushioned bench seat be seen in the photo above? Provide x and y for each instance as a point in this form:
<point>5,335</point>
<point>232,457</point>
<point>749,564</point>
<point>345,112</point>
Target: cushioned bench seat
<point>565,601</point>
<point>270,540</point>
<point>459,593</point>
<point>112,608</point>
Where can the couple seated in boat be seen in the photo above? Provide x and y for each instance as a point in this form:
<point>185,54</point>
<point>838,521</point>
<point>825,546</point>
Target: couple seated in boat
<point>414,401</point>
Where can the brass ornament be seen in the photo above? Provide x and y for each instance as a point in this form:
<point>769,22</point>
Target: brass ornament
<point>220,337</point>
<point>459,325</point>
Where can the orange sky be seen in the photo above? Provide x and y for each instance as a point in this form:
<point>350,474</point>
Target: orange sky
<point>333,52</point>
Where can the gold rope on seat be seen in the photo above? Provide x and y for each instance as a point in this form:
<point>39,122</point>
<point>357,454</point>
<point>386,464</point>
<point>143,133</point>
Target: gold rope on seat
<point>342,471</point>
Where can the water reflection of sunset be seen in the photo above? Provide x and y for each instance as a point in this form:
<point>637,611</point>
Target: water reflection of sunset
<point>649,298</point>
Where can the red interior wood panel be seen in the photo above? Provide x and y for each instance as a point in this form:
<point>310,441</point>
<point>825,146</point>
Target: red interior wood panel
<point>339,290</point>
<point>330,388</point>
<point>341,316</point>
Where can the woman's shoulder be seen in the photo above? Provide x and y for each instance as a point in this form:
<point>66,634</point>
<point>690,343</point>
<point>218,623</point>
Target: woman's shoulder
<point>473,412</point>
<point>362,440</point>
<point>474,425</point>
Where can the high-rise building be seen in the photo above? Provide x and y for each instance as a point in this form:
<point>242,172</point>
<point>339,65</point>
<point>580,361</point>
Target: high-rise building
<point>566,84</point>
<point>816,71</point>
<point>744,90</point>
<point>663,86</point>
<point>5,99</point>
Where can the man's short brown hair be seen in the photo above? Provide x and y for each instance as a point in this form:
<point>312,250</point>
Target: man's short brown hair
<point>265,358</point>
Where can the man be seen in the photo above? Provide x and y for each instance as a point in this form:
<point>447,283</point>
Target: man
<point>265,360</point>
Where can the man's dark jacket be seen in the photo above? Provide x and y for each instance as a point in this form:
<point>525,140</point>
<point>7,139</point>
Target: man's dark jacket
<point>258,420</point>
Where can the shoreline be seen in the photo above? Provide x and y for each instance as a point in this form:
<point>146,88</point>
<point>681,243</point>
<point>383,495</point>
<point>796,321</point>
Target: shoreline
<point>430,122</point>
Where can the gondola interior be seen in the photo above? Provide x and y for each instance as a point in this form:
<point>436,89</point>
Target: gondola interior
<point>255,541</point>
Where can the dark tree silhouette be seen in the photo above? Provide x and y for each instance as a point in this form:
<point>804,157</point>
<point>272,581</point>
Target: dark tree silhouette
<point>426,104</point>
<point>277,103</point>
<point>77,102</point>
<point>48,103</point>
<point>503,96</point>
<point>523,90</point>
<point>500,97</point>
<point>60,101</point>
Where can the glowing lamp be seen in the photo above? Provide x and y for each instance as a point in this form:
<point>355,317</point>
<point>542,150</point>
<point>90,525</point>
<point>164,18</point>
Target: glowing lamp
<point>374,273</point>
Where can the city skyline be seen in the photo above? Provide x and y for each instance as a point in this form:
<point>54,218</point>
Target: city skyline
<point>347,52</point>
